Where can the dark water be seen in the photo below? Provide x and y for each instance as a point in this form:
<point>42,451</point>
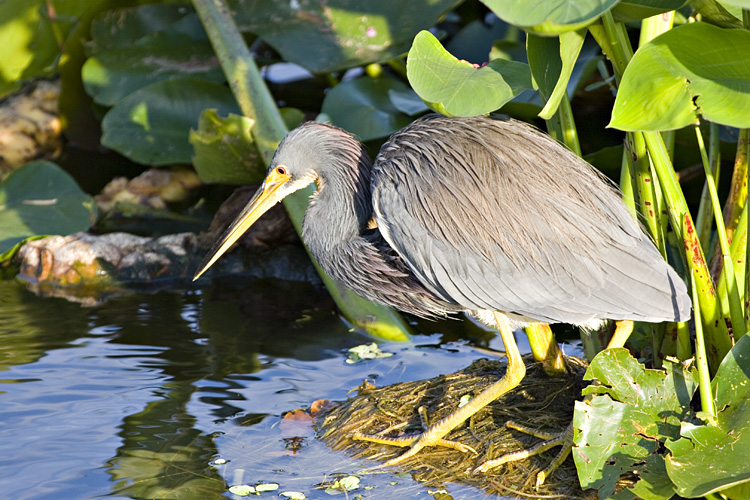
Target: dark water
<point>139,397</point>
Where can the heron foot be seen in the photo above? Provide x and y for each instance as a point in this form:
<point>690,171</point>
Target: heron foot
<point>563,439</point>
<point>416,441</point>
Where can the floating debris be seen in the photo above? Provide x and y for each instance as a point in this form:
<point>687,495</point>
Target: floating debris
<point>366,351</point>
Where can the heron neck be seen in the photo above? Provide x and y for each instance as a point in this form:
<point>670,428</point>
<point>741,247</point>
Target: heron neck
<point>341,207</point>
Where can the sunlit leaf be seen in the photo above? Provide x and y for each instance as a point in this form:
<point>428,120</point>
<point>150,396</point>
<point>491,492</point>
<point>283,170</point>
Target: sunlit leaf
<point>152,125</point>
<point>550,16</point>
<point>329,35</point>
<point>457,88</point>
<point>620,427</point>
<point>714,456</point>
<point>41,199</point>
<point>363,106</point>
<point>693,70</point>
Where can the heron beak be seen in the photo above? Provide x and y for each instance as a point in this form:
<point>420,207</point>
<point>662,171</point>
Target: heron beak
<point>266,197</point>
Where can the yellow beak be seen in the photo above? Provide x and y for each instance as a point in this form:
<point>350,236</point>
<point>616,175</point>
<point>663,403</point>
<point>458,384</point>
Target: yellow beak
<point>264,198</point>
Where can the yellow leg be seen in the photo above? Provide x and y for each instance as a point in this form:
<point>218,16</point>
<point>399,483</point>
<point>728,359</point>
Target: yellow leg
<point>514,373</point>
<point>622,332</point>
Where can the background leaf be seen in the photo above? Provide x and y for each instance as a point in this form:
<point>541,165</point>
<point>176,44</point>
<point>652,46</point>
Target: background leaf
<point>329,35</point>
<point>152,125</point>
<point>225,151</point>
<point>363,107</point>
<point>41,199</point>
<point>693,70</point>
<point>456,88</point>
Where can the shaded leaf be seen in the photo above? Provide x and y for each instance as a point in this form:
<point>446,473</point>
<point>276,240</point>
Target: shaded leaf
<point>619,428</point>
<point>363,106</point>
<point>635,10</point>
<point>41,199</point>
<point>714,456</point>
<point>152,125</point>
<point>714,12</point>
<point>693,70</point>
<point>225,151</point>
<point>111,74</point>
<point>330,35</point>
<point>457,88</point>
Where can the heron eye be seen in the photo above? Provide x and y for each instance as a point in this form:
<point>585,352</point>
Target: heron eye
<point>281,170</point>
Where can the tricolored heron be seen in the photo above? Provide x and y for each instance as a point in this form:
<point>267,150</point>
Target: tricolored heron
<point>485,216</point>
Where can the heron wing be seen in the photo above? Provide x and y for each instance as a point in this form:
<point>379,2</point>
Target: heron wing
<point>493,214</point>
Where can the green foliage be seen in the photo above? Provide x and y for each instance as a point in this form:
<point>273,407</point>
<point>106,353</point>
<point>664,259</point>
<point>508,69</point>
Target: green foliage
<point>457,88</point>
<point>673,80</point>
<point>624,425</point>
<point>325,36</point>
<point>711,457</point>
<point>224,149</point>
<point>550,16</point>
<point>152,125</point>
<point>133,48</point>
<point>364,107</point>
<point>41,199</point>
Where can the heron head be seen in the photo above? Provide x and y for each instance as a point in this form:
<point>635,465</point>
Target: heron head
<point>303,153</point>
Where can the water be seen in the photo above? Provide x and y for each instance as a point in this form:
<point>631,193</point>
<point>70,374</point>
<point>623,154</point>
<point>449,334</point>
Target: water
<point>139,397</point>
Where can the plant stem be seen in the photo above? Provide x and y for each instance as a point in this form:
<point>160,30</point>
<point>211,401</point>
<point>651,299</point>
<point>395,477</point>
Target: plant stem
<point>735,308</point>
<point>704,379</point>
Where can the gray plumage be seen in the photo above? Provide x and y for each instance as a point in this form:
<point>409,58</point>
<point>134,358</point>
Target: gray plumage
<point>477,214</point>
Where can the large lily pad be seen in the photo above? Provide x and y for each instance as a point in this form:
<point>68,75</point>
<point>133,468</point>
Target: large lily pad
<point>715,456</point>
<point>457,88</point>
<point>620,428</point>
<point>550,16</point>
<point>132,48</point>
<point>364,107</point>
<point>693,70</point>
<point>41,199</point>
<point>330,35</point>
<point>152,125</point>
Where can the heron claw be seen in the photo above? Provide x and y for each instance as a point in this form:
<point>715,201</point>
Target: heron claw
<point>563,439</point>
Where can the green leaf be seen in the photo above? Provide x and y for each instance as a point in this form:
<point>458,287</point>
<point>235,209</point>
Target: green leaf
<point>720,14</point>
<point>457,88</point>
<point>330,35</point>
<point>619,428</point>
<point>132,48</point>
<point>224,150</point>
<point>693,70</point>
<point>152,125</point>
<point>635,10</point>
<point>712,457</point>
<point>41,199</point>
<point>550,16</point>
<point>551,61</point>
<point>121,28</point>
<point>111,74</point>
<point>29,44</point>
<point>363,106</point>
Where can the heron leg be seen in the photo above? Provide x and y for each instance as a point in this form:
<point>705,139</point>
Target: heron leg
<point>563,439</point>
<point>545,349</point>
<point>433,436</point>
